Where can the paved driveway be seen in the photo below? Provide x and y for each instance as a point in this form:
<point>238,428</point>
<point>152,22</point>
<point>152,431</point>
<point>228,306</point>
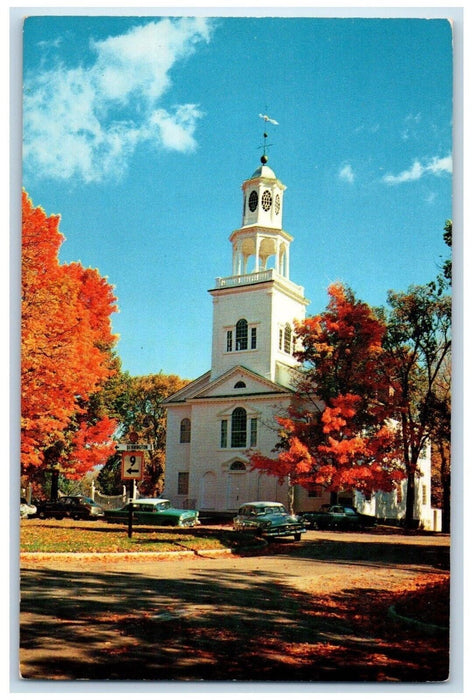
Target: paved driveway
<point>263,617</point>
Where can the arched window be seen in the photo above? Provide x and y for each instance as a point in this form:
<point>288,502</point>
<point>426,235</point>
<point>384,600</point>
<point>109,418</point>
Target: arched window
<point>287,338</point>
<point>238,428</point>
<point>185,430</point>
<point>240,385</point>
<point>241,335</point>
<point>237,467</point>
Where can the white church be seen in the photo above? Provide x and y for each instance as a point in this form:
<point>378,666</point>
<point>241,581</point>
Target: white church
<point>216,419</point>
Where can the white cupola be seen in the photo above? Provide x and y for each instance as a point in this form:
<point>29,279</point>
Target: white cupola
<point>261,243</point>
<point>263,198</point>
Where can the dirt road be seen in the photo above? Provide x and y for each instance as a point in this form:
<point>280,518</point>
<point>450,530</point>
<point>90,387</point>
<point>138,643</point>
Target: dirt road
<point>314,610</point>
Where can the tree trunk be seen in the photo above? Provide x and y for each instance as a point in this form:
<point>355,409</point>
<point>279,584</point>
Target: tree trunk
<point>54,484</point>
<point>410,465</point>
<point>445,480</point>
<point>290,496</point>
<point>410,521</point>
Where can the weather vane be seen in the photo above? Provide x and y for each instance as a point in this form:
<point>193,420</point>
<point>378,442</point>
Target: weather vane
<point>264,157</point>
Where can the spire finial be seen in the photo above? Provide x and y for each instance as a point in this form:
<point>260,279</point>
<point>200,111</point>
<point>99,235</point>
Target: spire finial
<point>264,157</point>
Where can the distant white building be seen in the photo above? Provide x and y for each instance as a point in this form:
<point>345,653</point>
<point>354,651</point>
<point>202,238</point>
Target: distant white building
<point>391,506</point>
<point>214,420</point>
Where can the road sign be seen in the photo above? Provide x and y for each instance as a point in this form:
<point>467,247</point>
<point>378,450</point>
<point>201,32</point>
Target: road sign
<point>132,465</point>
<point>133,447</point>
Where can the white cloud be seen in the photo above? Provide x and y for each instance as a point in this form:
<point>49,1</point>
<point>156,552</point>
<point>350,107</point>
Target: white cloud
<point>87,122</point>
<point>176,131</point>
<point>440,165</point>
<point>346,173</point>
<point>436,166</point>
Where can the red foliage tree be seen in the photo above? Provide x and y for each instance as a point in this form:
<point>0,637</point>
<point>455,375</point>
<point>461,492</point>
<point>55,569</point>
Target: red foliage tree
<point>338,432</point>
<point>66,344</point>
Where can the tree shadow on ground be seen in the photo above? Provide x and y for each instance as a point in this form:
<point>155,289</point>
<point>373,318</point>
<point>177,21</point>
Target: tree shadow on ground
<point>215,626</point>
<point>348,551</point>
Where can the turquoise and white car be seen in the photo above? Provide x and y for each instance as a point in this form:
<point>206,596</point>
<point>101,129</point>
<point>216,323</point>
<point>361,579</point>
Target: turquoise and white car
<point>268,519</point>
<point>154,511</point>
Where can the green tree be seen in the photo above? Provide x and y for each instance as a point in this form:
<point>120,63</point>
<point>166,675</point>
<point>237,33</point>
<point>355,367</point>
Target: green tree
<point>448,238</point>
<point>137,404</point>
<point>441,440</point>
<point>109,478</point>
<point>418,339</point>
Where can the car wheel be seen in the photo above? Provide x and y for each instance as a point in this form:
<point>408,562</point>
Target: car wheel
<point>297,536</point>
<point>59,517</point>
<point>41,515</point>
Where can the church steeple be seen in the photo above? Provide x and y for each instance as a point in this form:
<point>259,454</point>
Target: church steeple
<point>261,240</point>
<point>255,308</point>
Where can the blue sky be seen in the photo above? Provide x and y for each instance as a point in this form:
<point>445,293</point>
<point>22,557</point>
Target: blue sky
<point>139,131</point>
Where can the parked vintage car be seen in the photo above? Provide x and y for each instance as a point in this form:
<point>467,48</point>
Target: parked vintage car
<point>27,510</point>
<point>76,507</point>
<point>269,520</point>
<point>154,511</point>
<point>337,517</point>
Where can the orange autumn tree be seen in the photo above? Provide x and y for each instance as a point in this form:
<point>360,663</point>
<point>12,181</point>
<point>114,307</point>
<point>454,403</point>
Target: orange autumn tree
<point>338,431</point>
<point>66,354</point>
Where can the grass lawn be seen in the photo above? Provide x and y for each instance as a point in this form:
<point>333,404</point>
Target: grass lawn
<point>82,536</point>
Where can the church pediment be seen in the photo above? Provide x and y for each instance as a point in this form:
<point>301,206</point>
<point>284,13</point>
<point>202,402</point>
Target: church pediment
<point>236,382</point>
<point>190,390</point>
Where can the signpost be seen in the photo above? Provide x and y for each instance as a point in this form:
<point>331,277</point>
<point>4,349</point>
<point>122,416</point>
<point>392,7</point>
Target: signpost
<point>132,468</point>
<point>133,446</point>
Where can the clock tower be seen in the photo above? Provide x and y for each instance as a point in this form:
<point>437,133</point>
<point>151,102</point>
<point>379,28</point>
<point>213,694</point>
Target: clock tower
<point>255,308</point>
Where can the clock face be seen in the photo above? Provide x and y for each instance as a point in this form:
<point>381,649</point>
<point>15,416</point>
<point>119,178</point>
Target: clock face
<point>253,200</point>
<point>277,203</point>
<point>266,200</point>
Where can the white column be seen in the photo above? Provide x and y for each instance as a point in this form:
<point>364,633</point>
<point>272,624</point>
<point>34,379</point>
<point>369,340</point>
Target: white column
<point>238,259</point>
<point>257,246</point>
<point>234,259</point>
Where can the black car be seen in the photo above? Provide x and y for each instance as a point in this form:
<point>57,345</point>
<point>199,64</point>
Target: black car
<point>337,517</point>
<point>76,507</point>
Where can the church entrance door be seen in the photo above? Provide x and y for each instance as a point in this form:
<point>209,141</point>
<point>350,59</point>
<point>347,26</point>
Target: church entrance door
<point>208,491</point>
<point>236,490</point>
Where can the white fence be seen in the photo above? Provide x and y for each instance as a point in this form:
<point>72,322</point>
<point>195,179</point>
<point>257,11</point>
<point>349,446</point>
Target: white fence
<point>115,501</point>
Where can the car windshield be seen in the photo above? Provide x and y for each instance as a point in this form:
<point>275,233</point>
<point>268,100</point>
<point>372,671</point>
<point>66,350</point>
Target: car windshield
<point>270,510</point>
<point>163,506</point>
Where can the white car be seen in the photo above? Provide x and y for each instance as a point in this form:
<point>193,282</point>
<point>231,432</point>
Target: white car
<point>26,509</point>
